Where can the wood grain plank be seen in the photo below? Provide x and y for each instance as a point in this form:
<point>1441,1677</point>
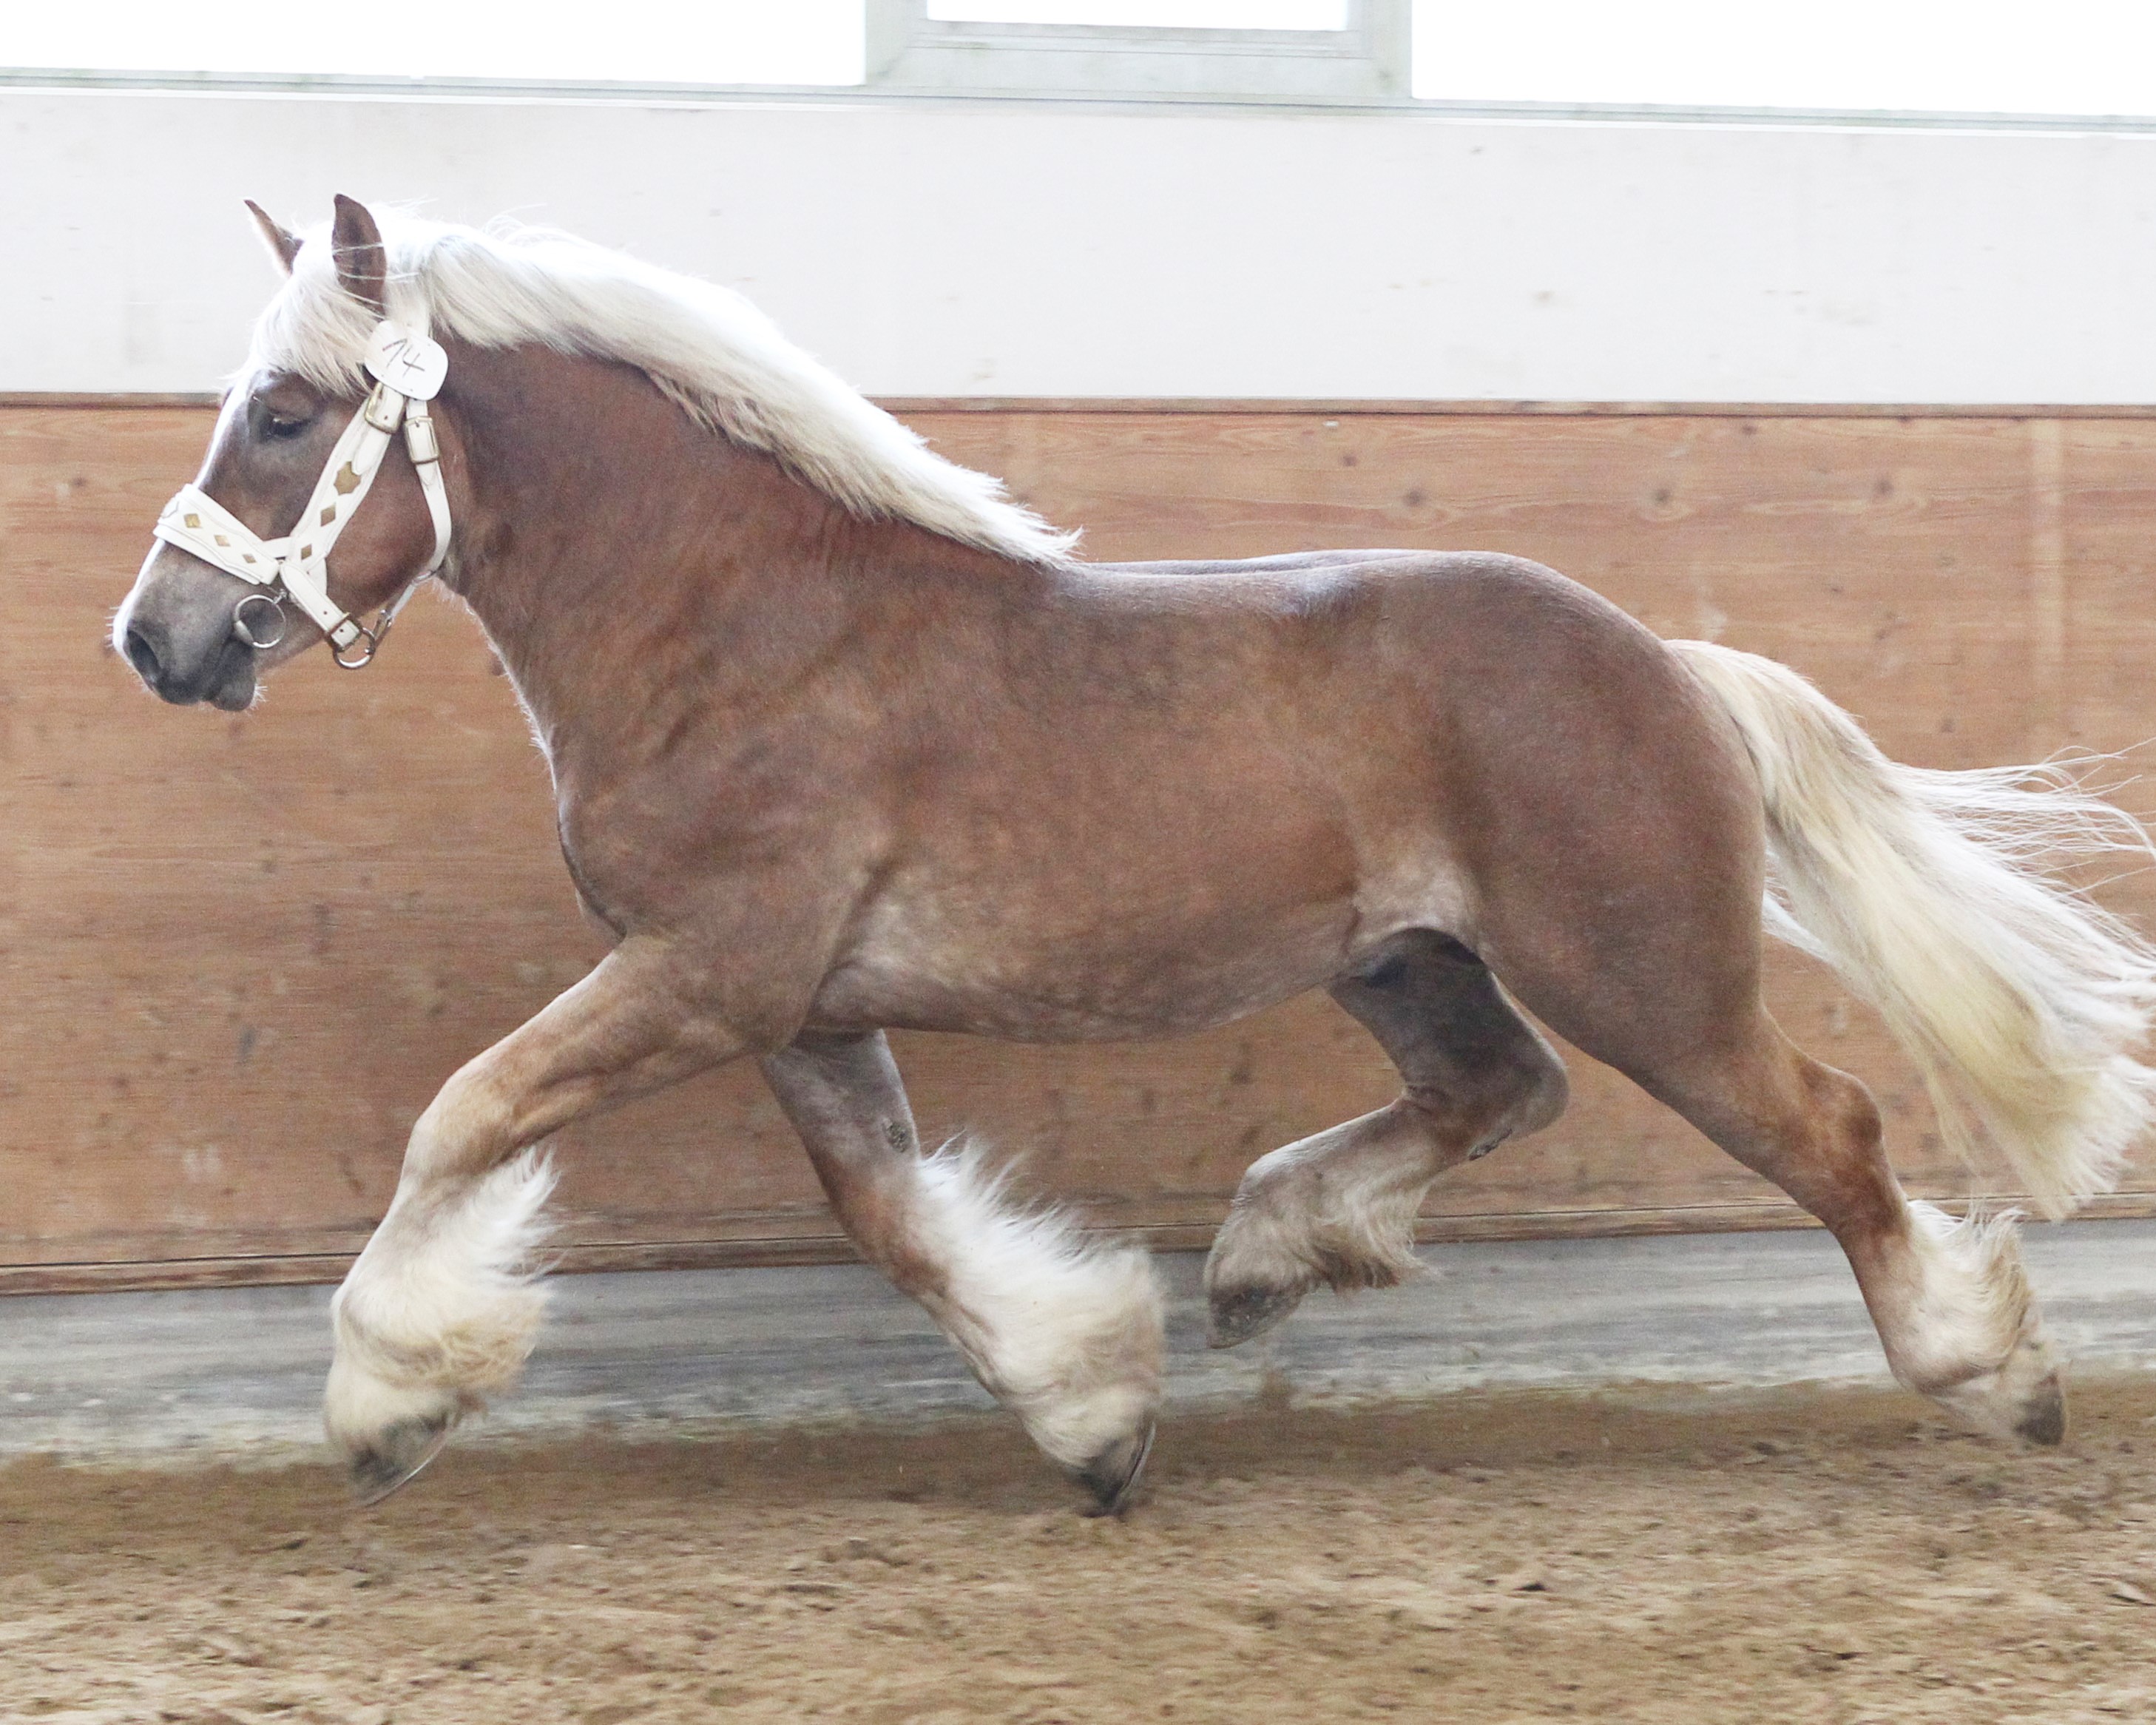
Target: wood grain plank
<point>243,953</point>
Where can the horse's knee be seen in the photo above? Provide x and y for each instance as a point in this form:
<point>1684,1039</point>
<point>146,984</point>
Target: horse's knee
<point>468,1127</point>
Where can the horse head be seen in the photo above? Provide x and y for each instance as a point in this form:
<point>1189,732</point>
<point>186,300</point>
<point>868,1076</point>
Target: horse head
<point>240,579</point>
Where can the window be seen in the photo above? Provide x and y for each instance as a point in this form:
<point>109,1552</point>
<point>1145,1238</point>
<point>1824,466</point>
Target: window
<point>1315,51</point>
<point>1150,14</point>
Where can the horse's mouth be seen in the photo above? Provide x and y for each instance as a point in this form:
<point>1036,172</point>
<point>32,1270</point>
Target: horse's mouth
<point>235,694</point>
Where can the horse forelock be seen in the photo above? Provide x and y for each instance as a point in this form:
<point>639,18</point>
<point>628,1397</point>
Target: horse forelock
<point>708,350</point>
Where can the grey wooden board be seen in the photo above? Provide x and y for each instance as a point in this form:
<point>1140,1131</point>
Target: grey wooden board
<point>239,1370</point>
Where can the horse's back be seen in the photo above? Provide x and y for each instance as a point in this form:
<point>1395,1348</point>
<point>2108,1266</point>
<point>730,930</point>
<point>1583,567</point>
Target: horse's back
<point>1487,656</point>
<point>1480,601</point>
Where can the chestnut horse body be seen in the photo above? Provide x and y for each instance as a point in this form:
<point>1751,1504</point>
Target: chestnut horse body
<point>832,759</point>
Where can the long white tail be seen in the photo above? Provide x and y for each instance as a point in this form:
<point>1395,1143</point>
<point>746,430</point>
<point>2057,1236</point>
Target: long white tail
<point>2023,1004</point>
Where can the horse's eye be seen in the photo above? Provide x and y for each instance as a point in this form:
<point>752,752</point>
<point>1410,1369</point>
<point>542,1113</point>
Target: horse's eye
<point>282,425</point>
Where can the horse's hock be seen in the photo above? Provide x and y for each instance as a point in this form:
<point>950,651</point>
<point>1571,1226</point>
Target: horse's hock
<point>230,1006</point>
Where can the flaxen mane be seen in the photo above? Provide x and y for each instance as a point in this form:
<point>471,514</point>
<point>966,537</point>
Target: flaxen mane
<point>723,361</point>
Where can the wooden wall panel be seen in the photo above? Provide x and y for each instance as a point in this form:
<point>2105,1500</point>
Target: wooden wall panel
<point>241,953</point>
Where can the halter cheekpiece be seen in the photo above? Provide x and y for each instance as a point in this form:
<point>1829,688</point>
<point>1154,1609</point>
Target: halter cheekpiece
<point>409,367</point>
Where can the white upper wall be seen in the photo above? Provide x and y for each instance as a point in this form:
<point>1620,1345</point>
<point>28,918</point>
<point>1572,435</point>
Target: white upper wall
<point>1075,250</point>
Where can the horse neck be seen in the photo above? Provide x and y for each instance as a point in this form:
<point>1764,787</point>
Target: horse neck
<point>626,562</point>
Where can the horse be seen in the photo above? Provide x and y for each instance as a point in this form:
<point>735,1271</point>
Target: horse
<point>845,740</point>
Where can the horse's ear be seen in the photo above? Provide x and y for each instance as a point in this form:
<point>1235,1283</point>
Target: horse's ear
<point>283,245</point>
<point>362,264</point>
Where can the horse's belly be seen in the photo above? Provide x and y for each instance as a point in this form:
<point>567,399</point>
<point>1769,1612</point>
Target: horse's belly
<point>916,971</point>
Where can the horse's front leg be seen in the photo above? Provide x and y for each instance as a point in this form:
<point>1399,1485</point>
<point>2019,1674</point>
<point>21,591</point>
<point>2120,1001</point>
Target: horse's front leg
<point>1064,1332</point>
<point>441,1308</point>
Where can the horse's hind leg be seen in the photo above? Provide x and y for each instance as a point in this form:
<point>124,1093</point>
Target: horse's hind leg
<point>1672,1000</point>
<point>1339,1208</point>
<point>1064,1332</point>
<point>1950,1300</point>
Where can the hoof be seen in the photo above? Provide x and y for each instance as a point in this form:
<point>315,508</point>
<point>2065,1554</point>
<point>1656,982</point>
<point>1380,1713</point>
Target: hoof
<point>395,1457</point>
<point>1234,1315</point>
<point>1112,1476</point>
<point>2028,1404</point>
<point>2044,1419</point>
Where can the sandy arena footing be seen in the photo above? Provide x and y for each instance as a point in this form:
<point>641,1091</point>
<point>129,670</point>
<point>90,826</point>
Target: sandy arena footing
<point>1552,1482</point>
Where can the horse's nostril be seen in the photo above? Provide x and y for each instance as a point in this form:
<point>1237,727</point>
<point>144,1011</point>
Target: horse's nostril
<point>142,655</point>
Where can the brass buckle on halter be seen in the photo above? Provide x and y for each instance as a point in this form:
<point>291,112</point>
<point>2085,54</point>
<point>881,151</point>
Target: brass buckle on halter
<point>382,417</point>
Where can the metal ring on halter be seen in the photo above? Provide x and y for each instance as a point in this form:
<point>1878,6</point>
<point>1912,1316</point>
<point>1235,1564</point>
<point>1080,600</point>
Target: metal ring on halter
<point>246,631</point>
<point>369,639</point>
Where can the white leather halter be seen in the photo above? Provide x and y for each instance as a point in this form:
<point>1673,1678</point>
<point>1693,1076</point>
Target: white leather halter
<point>407,366</point>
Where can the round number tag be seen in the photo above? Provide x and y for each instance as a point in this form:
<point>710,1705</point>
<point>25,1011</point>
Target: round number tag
<point>410,364</point>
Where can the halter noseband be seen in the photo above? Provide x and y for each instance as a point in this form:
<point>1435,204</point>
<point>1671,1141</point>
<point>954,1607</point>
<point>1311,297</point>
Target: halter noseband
<point>407,366</point>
